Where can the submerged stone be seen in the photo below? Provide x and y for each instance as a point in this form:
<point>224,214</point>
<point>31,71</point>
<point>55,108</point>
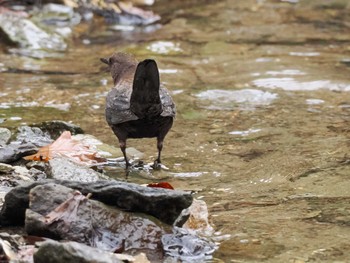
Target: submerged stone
<point>186,246</point>
<point>71,252</point>
<point>230,99</point>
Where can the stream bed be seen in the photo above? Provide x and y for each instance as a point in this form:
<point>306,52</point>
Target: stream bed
<point>262,130</point>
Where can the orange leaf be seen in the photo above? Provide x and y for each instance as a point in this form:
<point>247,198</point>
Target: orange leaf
<point>165,185</point>
<point>68,147</point>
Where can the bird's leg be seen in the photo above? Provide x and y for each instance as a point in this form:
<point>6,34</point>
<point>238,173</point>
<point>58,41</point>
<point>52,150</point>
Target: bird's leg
<point>122,145</point>
<point>159,147</point>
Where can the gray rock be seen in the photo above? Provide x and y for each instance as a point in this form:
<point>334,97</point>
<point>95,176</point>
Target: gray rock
<point>26,34</point>
<point>21,173</point>
<point>5,135</point>
<point>34,135</point>
<point>56,15</point>
<point>72,252</point>
<point>56,127</point>
<point>65,169</point>
<point>103,149</point>
<point>164,204</point>
<point>90,222</point>
<point>6,168</point>
<point>41,166</point>
<point>37,174</point>
<point>186,246</point>
<point>15,151</point>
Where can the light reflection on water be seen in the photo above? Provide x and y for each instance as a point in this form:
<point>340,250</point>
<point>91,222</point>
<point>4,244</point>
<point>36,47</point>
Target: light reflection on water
<point>293,85</point>
<point>228,99</point>
<point>164,47</point>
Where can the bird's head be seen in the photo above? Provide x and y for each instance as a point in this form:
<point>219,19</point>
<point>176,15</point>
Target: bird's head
<point>118,64</point>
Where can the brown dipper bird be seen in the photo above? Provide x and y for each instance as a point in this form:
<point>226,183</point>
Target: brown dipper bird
<point>137,106</point>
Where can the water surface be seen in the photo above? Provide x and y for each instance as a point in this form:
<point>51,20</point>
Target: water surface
<point>263,110</point>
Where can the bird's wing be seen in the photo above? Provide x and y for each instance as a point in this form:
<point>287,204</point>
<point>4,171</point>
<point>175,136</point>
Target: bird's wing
<point>168,104</point>
<point>118,106</point>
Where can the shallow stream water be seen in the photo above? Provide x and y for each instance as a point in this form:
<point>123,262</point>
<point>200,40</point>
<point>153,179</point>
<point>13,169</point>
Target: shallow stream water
<point>262,132</point>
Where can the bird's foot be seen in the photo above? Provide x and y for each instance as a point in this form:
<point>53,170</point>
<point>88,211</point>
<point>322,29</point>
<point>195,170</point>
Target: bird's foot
<point>156,165</point>
<point>127,165</point>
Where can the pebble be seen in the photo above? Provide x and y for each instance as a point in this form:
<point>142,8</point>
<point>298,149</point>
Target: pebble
<point>6,168</point>
<point>5,135</point>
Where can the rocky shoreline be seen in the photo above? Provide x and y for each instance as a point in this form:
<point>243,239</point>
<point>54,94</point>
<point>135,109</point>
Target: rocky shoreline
<point>73,202</point>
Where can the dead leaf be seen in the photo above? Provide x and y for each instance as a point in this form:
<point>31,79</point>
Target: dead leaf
<point>165,185</point>
<point>25,253</point>
<point>68,147</point>
<point>132,10</point>
<point>67,211</point>
<point>8,250</point>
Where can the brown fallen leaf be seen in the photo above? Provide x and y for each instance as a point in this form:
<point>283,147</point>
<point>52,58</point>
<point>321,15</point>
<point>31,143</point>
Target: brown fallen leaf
<point>127,7</point>
<point>68,147</point>
<point>67,211</point>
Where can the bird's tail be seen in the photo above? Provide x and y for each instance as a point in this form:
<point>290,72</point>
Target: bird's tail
<point>145,101</point>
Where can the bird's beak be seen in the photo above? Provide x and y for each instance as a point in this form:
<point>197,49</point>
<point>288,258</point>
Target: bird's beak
<point>104,60</point>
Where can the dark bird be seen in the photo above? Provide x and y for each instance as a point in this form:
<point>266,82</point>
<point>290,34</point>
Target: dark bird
<point>137,106</point>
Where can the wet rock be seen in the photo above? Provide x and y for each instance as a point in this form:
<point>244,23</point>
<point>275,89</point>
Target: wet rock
<point>62,168</point>
<point>134,153</point>
<point>58,15</point>
<point>72,252</point>
<point>6,168</point>
<point>37,174</point>
<point>103,149</point>
<point>15,151</point>
<point>21,173</point>
<point>143,2</point>
<point>166,205</point>
<point>27,35</point>
<point>185,246</point>
<point>216,131</point>
<point>198,219</point>
<point>56,127</point>
<point>345,61</point>
<point>34,135</point>
<point>88,221</point>
<point>41,166</point>
<point>5,135</point>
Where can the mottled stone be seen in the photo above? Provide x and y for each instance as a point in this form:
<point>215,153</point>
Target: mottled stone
<point>14,152</point>
<point>62,168</point>
<point>56,127</point>
<point>71,252</point>
<point>6,168</point>
<point>5,135</point>
<point>26,34</point>
<point>34,135</point>
<point>89,221</point>
<point>164,204</point>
